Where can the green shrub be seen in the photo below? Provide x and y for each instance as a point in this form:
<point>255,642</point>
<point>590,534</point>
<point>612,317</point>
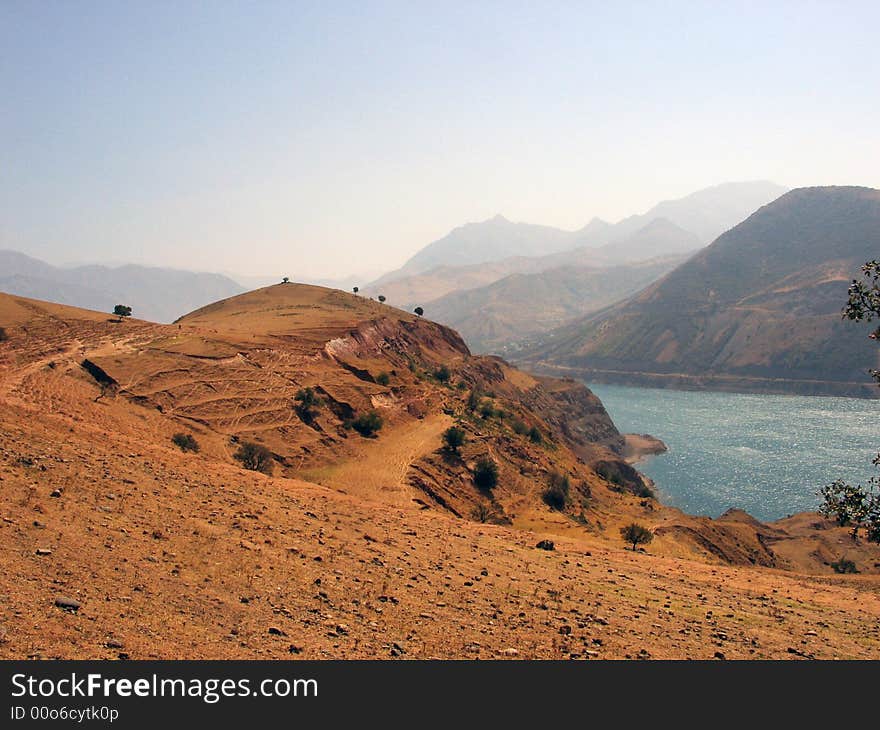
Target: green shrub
<point>3,335</point>
<point>486,473</point>
<point>254,457</point>
<point>474,400</point>
<point>307,404</point>
<point>454,438</point>
<point>383,378</point>
<point>185,442</point>
<point>844,565</point>
<point>535,435</point>
<point>483,512</point>
<point>487,409</point>
<point>442,374</point>
<point>367,424</point>
<point>557,491</point>
<point>519,427</point>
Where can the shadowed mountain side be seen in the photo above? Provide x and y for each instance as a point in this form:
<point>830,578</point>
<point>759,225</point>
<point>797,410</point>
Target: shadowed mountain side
<point>659,239</point>
<point>758,310</point>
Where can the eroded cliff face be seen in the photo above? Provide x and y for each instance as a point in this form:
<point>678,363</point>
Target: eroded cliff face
<point>577,413</point>
<point>419,340</point>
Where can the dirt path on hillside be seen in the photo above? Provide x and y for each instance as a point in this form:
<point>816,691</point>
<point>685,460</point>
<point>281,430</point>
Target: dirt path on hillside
<point>378,471</point>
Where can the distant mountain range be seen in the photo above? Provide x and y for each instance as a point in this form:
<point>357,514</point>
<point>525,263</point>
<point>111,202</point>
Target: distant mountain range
<point>495,317</point>
<point>704,215</point>
<point>759,309</point>
<point>156,294</point>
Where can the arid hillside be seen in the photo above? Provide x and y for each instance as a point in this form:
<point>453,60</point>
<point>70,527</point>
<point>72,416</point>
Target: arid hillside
<point>359,542</point>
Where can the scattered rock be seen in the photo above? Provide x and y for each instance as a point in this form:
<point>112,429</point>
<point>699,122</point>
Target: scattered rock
<point>293,649</point>
<point>275,631</point>
<point>55,493</point>
<point>510,651</point>
<point>68,604</point>
<point>43,551</point>
<point>546,545</point>
<point>719,655</point>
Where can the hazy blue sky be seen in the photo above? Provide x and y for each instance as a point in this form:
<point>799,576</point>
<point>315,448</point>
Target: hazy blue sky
<point>331,138</point>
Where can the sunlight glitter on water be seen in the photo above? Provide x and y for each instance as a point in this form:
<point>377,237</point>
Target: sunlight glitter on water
<point>766,454</point>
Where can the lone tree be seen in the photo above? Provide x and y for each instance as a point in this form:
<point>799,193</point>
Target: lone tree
<point>486,473</point>
<point>858,506</point>
<point>382,298</point>
<point>285,280</point>
<point>307,404</point>
<point>454,438</point>
<point>442,374</point>
<point>120,310</point>
<point>355,289</point>
<point>419,311</point>
<point>185,442</point>
<point>3,335</point>
<point>636,534</point>
<point>254,457</point>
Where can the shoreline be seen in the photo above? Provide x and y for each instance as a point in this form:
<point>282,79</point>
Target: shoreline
<point>638,447</point>
<point>707,383</point>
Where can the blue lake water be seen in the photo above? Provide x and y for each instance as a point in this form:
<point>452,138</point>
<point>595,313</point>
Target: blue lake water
<point>767,454</point>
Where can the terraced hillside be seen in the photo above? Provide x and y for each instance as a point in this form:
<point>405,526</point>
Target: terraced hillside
<point>118,544</point>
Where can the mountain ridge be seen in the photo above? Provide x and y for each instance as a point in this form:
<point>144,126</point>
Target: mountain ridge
<point>761,304</point>
<point>705,213</point>
<point>155,293</point>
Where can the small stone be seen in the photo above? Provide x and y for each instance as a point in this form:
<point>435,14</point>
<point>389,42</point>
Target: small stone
<point>114,644</point>
<point>55,493</point>
<point>68,604</point>
<point>294,649</point>
<point>43,551</point>
<point>275,631</point>
<point>341,629</point>
<point>719,655</point>
<point>510,651</point>
<point>546,545</point>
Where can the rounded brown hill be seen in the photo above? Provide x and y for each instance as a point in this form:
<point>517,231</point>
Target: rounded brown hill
<point>285,308</point>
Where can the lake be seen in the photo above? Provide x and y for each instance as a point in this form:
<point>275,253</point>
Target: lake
<point>767,454</point>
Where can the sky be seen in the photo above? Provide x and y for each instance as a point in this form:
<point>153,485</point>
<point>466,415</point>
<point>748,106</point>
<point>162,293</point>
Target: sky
<point>326,139</point>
